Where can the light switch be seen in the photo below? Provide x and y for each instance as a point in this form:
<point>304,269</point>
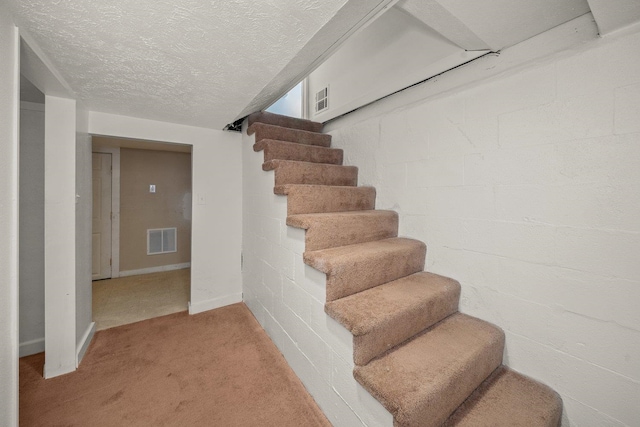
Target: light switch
<point>152,188</point>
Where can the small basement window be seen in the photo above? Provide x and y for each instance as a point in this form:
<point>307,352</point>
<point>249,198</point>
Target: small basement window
<point>161,241</point>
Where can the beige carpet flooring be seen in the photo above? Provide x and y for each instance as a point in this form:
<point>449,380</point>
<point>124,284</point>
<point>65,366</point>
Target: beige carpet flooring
<point>131,299</point>
<point>217,368</point>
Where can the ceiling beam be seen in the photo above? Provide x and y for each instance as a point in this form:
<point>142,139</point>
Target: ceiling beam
<point>435,16</point>
<point>613,15</point>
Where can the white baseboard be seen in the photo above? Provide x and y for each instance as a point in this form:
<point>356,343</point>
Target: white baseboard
<point>84,342</point>
<point>28,348</point>
<point>155,269</point>
<point>199,307</point>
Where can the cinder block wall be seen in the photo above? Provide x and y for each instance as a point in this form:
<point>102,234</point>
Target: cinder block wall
<point>287,298</point>
<point>527,190</point>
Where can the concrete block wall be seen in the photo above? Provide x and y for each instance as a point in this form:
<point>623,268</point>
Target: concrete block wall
<point>287,298</point>
<point>526,189</point>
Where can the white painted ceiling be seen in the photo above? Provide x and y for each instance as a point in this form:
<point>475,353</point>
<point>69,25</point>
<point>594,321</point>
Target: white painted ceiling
<point>207,62</point>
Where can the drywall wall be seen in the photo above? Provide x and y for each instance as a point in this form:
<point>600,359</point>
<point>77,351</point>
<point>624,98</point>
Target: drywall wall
<point>60,235</point>
<point>287,298</point>
<point>393,52</point>
<point>85,327</point>
<point>140,210</point>
<point>31,228</point>
<point>526,188</point>
<point>216,217</point>
<point>9,105</point>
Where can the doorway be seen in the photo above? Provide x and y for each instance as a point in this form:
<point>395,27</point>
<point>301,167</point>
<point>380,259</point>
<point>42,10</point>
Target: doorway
<point>101,216</point>
<point>142,189</point>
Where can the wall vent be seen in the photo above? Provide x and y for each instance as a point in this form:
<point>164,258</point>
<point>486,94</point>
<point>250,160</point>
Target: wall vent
<point>161,241</point>
<point>322,99</point>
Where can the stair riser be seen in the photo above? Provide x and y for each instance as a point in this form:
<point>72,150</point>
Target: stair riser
<point>369,346</point>
<point>330,199</point>
<point>263,131</point>
<point>315,174</point>
<point>374,271</point>
<point>349,231</point>
<point>287,122</point>
<point>303,153</point>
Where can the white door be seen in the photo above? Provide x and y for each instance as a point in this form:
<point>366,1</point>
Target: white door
<point>101,247</point>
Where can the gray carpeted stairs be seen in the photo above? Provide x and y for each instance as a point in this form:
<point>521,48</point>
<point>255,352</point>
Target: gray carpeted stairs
<point>428,364</point>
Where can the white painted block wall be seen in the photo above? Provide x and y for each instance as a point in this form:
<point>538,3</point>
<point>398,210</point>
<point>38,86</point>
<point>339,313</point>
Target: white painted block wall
<point>287,298</point>
<point>526,189</point>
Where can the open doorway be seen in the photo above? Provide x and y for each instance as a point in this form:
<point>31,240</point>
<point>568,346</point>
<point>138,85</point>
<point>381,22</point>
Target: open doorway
<point>141,230</point>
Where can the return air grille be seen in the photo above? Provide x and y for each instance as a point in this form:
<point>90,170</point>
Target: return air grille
<point>322,99</point>
<point>161,241</point>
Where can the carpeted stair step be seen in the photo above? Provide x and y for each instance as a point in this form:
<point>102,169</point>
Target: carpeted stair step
<point>284,121</point>
<point>274,149</point>
<point>294,172</point>
<point>424,380</point>
<point>265,131</point>
<point>303,198</point>
<point>509,399</point>
<point>332,229</point>
<point>362,266</point>
<point>387,315</point>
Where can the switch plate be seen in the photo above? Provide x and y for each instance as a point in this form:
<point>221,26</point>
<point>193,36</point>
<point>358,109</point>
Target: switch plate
<point>152,188</point>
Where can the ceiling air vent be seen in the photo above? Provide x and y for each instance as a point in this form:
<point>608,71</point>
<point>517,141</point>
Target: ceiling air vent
<point>161,241</point>
<point>322,99</point>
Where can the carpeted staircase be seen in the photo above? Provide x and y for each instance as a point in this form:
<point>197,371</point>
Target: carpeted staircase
<point>428,364</point>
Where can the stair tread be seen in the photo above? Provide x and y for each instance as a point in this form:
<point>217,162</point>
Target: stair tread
<point>275,163</point>
<point>509,399</point>
<point>387,315</point>
<point>283,150</point>
<point>365,311</point>
<point>296,172</point>
<point>298,136</point>
<point>308,220</point>
<point>308,198</point>
<point>284,121</point>
<point>424,380</point>
<point>332,229</point>
<point>329,260</point>
<point>355,268</point>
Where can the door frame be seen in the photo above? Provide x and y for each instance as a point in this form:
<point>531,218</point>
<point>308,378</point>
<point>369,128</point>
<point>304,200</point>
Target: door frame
<point>115,205</point>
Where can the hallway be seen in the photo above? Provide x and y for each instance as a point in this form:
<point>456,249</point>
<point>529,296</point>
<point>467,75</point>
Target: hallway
<point>131,299</point>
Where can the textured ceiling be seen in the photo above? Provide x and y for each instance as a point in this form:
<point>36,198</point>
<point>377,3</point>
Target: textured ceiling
<point>187,61</point>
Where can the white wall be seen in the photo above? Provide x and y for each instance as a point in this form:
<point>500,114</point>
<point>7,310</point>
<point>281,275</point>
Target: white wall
<point>31,228</point>
<point>217,202</point>
<point>393,52</point>
<point>526,188</point>
<point>60,235</point>
<point>9,100</point>
<point>85,327</point>
<point>287,298</point>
